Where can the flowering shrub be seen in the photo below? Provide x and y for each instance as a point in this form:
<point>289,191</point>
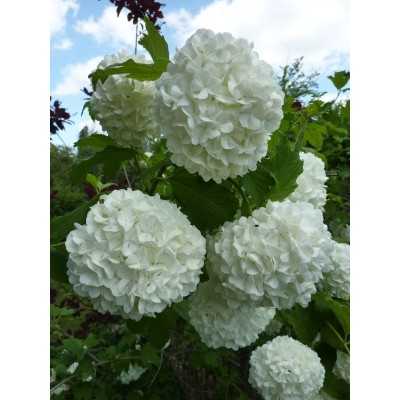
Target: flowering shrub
<point>208,262</point>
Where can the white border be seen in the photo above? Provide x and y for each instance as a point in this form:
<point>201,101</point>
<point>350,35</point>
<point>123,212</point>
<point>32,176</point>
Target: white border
<point>375,202</point>
<point>24,200</point>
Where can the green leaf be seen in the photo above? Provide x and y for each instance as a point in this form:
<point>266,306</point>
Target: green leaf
<point>61,226</point>
<point>340,79</point>
<point>335,387</point>
<point>94,142</point>
<point>149,354</point>
<point>207,204</point>
<point>58,265</point>
<point>275,177</point>
<point>341,310</point>
<point>314,135</point>
<point>304,322</point>
<point>75,347</point>
<point>60,312</point>
<point>157,330</point>
<point>94,181</point>
<point>258,184</point>
<point>111,158</point>
<point>155,44</point>
<point>329,336</point>
<point>285,166</point>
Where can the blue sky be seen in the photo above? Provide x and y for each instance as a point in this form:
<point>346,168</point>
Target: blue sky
<point>82,31</point>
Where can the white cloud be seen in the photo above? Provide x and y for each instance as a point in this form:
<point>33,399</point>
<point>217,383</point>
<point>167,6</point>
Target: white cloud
<point>64,44</point>
<point>58,13</point>
<point>75,77</point>
<point>109,28</point>
<point>280,30</point>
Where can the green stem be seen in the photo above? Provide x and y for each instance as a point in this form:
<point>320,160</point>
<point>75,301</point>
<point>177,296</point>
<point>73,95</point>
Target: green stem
<point>158,177</point>
<point>126,176</point>
<point>243,195</point>
<point>57,244</point>
<point>339,337</point>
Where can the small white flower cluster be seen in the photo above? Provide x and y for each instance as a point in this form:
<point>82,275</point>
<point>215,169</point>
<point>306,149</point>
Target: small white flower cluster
<point>286,369</point>
<point>222,320</point>
<point>125,107</point>
<point>337,281</point>
<point>274,257</point>
<point>218,105</point>
<point>311,182</point>
<point>133,373</point>
<point>135,255</point>
<point>342,366</point>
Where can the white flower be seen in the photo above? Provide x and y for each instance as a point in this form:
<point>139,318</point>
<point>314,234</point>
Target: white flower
<point>125,107</point>
<point>136,254</point>
<point>342,366</point>
<point>218,105</point>
<point>73,367</point>
<point>337,280</point>
<point>275,256</point>
<point>222,320</point>
<point>53,375</point>
<point>286,369</point>
<point>60,388</point>
<point>132,374</point>
<point>311,182</point>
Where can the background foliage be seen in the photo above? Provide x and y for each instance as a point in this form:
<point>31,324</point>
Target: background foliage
<point>178,365</point>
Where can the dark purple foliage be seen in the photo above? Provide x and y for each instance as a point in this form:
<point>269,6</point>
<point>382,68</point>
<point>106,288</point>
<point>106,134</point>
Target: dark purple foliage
<point>140,9</point>
<point>58,117</point>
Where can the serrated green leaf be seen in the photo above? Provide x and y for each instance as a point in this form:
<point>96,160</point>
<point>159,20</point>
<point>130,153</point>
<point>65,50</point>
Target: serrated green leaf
<point>60,312</point>
<point>330,337</point>
<point>94,142</point>
<point>285,167</point>
<point>258,184</point>
<point>155,44</point>
<point>207,204</point>
<point>156,330</point>
<point>61,226</point>
<point>275,176</point>
<point>341,310</point>
<point>314,134</point>
<point>340,79</point>
<point>335,387</point>
<point>75,347</point>
<point>149,354</point>
<point>305,323</point>
<point>110,157</point>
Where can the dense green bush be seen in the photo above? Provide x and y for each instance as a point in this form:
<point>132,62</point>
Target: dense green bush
<point>89,350</point>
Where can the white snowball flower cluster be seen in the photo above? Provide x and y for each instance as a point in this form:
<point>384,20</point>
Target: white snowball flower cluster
<point>222,320</point>
<point>125,107</point>
<point>218,105</point>
<point>275,256</point>
<point>342,366</point>
<point>337,281</point>
<point>136,254</point>
<point>286,369</point>
<point>311,182</point>
<point>133,373</point>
